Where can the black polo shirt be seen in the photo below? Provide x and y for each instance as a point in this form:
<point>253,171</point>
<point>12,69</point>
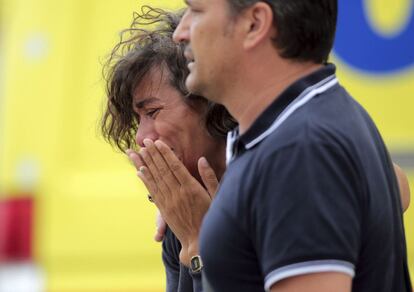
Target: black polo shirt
<point>309,188</point>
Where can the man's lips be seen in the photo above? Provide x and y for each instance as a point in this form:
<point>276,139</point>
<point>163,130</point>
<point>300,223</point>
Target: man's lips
<point>188,55</point>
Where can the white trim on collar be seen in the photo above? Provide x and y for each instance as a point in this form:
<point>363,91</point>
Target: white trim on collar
<point>301,100</point>
<point>231,138</point>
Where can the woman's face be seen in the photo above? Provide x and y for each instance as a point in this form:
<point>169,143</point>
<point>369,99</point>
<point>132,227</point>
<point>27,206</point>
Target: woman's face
<point>164,115</point>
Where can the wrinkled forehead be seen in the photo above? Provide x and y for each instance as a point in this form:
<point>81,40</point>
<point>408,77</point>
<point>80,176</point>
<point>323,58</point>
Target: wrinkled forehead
<point>156,79</point>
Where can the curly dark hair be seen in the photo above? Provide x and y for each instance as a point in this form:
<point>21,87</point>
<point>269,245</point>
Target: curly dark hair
<point>145,45</point>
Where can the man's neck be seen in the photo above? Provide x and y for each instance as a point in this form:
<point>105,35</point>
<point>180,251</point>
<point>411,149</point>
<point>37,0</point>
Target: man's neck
<point>260,88</point>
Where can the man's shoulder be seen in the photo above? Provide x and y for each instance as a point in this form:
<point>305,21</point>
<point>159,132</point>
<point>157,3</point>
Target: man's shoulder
<point>331,118</point>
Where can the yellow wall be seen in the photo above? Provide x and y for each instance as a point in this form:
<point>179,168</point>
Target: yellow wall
<point>94,225</point>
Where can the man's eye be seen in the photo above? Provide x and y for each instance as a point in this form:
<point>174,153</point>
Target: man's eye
<point>193,9</point>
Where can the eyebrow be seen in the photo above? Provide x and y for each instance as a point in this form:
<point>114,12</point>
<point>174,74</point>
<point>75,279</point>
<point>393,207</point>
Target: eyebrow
<point>145,102</point>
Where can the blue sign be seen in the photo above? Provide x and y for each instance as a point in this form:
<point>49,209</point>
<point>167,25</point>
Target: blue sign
<point>359,45</point>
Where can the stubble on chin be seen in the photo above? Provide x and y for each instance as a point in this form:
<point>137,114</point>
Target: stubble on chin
<point>192,85</point>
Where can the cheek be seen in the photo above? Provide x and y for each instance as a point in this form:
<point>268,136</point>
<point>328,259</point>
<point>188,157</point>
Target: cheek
<point>165,130</point>
<point>169,129</point>
<point>201,38</point>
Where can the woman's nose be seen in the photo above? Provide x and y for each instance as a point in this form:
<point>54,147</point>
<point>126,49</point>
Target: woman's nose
<point>146,130</point>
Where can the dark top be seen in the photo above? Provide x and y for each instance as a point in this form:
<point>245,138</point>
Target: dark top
<point>179,278</point>
<point>310,188</point>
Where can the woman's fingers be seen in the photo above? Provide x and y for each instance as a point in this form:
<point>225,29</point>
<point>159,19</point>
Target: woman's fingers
<point>149,182</point>
<point>133,156</point>
<point>175,166</point>
<point>162,166</point>
<point>208,176</point>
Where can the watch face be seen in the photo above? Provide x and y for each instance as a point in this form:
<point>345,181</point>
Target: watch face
<point>196,264</point>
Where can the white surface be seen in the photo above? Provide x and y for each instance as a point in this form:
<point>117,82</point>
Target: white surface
<point>21,277</point>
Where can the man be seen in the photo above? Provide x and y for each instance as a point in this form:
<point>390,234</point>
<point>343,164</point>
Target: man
<point>309,192</point>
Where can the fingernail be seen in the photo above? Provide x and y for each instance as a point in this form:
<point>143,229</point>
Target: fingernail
<point>158,144</point>
<point>147,142</point>
<point>204,162</point>
<point>141,151</point>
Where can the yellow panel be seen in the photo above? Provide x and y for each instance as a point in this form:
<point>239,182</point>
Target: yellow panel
<point>94,225</point>
<point>36,55</point>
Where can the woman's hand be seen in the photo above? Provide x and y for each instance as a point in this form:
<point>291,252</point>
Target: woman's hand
<point>180,198</point>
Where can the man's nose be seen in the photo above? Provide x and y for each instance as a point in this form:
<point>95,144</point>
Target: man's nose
<point>182,32</point>
<point>145,131</point>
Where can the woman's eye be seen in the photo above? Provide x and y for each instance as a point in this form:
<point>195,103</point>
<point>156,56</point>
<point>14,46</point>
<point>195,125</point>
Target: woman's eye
<point>195,10</point>
<point>152,113</point>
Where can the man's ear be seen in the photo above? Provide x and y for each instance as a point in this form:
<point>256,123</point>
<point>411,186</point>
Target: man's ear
<point>258,20</point>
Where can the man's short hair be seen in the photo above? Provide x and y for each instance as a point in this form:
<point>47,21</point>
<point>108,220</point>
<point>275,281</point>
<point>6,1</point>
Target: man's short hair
<point>305,28</point>
<point>146,45</point>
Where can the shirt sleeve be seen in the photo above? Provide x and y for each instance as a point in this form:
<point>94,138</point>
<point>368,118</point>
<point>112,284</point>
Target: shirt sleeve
<point>306,212</point>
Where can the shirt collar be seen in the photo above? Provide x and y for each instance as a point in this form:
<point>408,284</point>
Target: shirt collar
<point>291,98</point>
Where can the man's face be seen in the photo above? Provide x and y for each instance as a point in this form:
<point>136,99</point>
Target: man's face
<point>163,115</point>
<point>212,46</point>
